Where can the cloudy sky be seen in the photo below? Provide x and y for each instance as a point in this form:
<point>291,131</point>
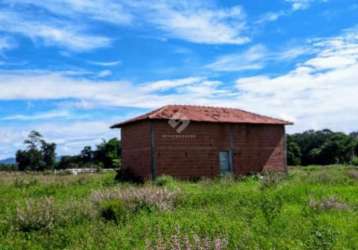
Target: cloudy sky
<point>72,68</point>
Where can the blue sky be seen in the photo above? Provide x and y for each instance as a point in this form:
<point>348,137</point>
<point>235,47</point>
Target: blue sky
<point>72,68</point>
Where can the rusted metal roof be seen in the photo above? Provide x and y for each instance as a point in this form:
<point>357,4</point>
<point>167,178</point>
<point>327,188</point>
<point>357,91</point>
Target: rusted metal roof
<point>205,114</point>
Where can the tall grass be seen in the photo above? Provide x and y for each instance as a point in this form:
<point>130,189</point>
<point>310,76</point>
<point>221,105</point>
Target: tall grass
<point>310,208</point>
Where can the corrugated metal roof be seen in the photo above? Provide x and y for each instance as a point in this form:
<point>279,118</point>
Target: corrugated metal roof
<point>205,114</point>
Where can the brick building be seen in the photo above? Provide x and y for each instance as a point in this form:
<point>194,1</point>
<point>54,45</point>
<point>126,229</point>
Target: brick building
<point>195,141</point>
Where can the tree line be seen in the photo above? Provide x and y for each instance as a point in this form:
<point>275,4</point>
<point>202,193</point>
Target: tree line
<point>322,147</point>
<point>311,147</point>
<point>40,155</point>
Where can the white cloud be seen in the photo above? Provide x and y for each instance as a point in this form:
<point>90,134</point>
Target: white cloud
<point>39,116</point>
<point>59,86</point>
<point>270,17</point>
<point>104,73</point>
<point>248,60</point>
<point>170,84</point>
<point>302,4</point>
<point>294,52</point>
<point>318,93</point>
<point>102,10</point>
<point>198,23</point>
<point>256,57</point>
<point>105,64</point>
<point>296,5</point>
<point>51,32</point>
<point>193,21</point>
<point>7,43</point>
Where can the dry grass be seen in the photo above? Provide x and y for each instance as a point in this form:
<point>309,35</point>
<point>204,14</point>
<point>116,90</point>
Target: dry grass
<point>182,241</point>
<point>22,179</point>
<point>329,203</point>
<point>151,196</point>
<point>353,174</point>
<point>272,179</point>
<point>35,215</point>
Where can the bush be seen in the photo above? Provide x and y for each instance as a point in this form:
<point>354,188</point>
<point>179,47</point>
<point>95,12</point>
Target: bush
<point>126,175</point>
<point>181,240</point>
<point>23,183</point>
<point>271,179</point>
<point>113,210</point>
<point>325,177</point>
<point>138,198</point>
<point>35,215</point>
<point>328,204</point>
<point>353,174</point>
<point>164,180</point>
<point>355,161</point>
<point>76,212</point>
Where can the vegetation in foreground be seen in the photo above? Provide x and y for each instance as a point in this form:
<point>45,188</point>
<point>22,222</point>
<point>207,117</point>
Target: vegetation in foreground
<point>311,208</point>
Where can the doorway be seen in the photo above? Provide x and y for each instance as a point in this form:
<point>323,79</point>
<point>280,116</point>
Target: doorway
<point>225,162</point>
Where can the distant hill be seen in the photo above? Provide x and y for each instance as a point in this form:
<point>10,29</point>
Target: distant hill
<point>8,161</point>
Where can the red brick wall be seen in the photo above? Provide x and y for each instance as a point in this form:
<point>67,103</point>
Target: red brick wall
<point>195,151</point>
<point>136,148</point>
<point>258,148</point>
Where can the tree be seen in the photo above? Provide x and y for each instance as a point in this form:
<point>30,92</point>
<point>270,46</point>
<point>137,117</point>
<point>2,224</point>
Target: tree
<point>354,135</point>
<point>322,147</point>
<point>34,140</point>
<point>38,154</point>
<point>22,160</point>
<point>109,153</point>
<point>87,155</point>
<point>339,148</point>
<point>49,154</point>
<point>309,140</point>
<point>293,152</point>
<point>69,162</point>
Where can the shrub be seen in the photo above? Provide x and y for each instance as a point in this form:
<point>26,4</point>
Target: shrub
<point>23,183</point>
<point>113,210</point>
<point>137,198</point>
<point>164,180</point>
<point>325,177</point>
<point>353,174</point>
<point>328,204</point>
<point>355,161</point>
<point>183,241</point>
<point>76,212</point>
<point>35,215</point>
<point>271,179</point>
<point>126,175</point>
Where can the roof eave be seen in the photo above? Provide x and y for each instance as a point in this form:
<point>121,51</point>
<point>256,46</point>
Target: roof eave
<point>284,123</point>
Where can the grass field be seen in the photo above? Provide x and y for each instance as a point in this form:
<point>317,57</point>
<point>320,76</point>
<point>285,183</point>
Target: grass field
<point>311,208</point>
